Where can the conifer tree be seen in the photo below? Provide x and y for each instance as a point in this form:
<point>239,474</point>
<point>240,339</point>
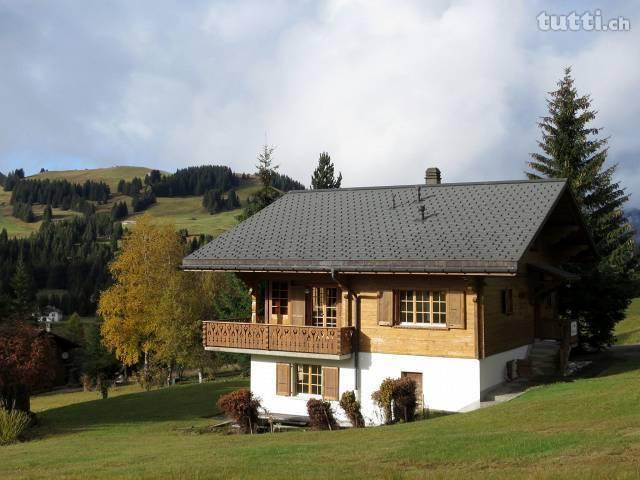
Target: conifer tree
<point>571,149</point>
<point>324,174</point>
<point>47,214</point>
<point>23,291</point>
<point>267,194</point>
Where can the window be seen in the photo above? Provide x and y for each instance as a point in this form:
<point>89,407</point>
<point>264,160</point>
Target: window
<point>309,379</point>
<point>506,300</point>
<point>423,307</point>
<point>279,298</point>
<point>324,307</point>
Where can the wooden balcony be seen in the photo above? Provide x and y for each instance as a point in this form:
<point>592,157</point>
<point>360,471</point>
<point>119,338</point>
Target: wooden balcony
<point>282,340</point>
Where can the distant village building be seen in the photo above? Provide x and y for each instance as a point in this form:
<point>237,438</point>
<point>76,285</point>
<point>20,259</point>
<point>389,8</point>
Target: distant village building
<point>50,314</point>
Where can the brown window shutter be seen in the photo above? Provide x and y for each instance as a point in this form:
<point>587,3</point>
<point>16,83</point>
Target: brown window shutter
<point>456,313</point>
<point>385,308</point>
<point>283,379</point>
<point>297,305</point>
<point>330,388</point>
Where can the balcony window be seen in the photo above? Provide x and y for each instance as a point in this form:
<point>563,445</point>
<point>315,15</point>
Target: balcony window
<point>309,379</point>
<point>279,298</point>
<point>422,307</point>
<point>324,307</point>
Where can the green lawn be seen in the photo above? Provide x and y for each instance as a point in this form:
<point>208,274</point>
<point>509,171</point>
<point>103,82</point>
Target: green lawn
<point>589,428</point>
<point>627,332</point>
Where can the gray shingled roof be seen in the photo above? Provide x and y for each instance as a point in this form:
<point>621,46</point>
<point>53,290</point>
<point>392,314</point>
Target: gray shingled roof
<point>469,227</point>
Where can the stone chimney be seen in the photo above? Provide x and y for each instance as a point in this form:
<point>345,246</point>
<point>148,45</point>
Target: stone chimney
<point>432,176</point>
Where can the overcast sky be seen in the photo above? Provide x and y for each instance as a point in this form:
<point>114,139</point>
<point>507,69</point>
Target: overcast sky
<point>387,88</point>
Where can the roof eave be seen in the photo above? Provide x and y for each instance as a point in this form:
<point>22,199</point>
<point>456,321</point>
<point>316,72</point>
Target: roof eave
<point>448,267</point>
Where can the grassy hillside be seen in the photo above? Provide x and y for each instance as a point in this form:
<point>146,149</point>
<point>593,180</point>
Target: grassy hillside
<point>18,228</point>
<point>183,212</point>
<point>111,175</point>
<point>627,332</point>
<point>187,212</point>
<point>588,428</point>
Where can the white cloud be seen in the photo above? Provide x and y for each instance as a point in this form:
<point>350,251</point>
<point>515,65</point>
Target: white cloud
<point>387,87</point>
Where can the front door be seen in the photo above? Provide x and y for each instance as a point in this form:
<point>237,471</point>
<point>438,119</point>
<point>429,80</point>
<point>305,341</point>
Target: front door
<point>547,323</point>
<point>417,377</point>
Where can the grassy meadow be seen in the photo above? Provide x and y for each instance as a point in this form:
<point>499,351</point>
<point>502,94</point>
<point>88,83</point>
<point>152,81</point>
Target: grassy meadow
<point>627,332</point>
<point>183,212</point>
<point>585,429</point>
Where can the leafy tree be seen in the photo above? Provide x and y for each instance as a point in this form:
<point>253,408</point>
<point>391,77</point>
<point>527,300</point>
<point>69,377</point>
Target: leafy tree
<point>148,258</point>
<point>570,148</point>
<point>324,174</point>
<point>23,290</point>
<point>267,194</point>
<point>26,361</point>
<point>153,310</point>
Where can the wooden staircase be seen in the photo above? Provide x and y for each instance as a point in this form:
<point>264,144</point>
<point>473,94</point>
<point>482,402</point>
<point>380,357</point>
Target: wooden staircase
<point>544,357</point>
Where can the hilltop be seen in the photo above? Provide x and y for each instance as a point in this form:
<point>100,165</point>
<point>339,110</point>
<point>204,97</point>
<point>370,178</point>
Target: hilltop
<point>110,175</point>
<point>185,212</point>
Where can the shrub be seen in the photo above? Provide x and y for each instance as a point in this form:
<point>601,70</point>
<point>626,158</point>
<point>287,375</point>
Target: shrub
<point>397,399</point>
<point>351,407</point>
<point>12,424</point>
<point>383,398</point>
<point>404,399</point>
<point>321,415</point>
<point>242,407</point>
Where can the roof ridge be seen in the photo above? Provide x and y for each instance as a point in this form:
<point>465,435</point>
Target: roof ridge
<point>455,184</point>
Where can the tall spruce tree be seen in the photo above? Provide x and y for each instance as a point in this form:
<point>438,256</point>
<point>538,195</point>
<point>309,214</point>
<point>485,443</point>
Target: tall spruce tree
<point>324,174</point>
<point>267,194</point>
<point>23,291</point>
<point>570,148</point>
<point>47,214</point>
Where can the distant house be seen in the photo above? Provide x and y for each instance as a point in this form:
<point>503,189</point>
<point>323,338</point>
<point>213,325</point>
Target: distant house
<point>445,283</point>
<point>50,314</point>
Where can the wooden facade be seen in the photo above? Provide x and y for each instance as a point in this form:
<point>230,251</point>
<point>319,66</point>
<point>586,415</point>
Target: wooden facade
<point>367,312</point>
<point>485,314</point>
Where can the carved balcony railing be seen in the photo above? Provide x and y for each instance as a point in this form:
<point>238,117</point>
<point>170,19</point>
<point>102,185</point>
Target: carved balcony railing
<point>243,335</point>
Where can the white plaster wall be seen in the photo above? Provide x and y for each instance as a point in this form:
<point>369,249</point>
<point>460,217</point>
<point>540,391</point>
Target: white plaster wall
<point>450,384</point>
<point>263,384</point>
<point>493,369</point>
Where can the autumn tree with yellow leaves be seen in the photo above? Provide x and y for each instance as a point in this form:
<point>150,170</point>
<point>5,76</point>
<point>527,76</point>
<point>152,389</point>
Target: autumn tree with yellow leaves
<point>153,310</point>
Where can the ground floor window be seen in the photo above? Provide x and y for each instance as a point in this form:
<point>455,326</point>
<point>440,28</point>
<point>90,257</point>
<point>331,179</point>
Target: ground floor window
<point>309,379</point>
